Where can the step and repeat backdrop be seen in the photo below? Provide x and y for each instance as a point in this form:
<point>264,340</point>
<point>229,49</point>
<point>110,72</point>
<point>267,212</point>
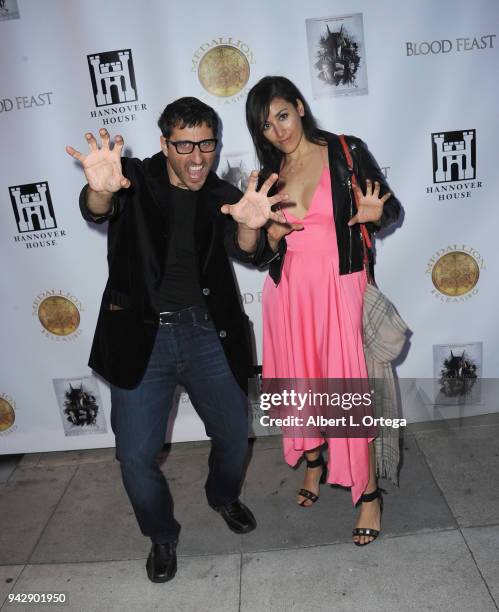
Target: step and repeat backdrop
<point>416,80</point>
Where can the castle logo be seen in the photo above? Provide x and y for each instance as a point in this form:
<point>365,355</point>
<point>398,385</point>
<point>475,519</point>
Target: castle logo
<point>455,272</point>
<point>32,207</point>
<point>223,66</point>
<point>34,214</point>
<point>113,82</point>
<point>454,165</point>
<point>59,314</point>
<point>113,77</point>
<point>7,414</point>
<point>454,156</point>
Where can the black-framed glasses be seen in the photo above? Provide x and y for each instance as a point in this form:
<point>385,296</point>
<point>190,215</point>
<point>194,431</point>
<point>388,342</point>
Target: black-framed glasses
<point>184,147</point>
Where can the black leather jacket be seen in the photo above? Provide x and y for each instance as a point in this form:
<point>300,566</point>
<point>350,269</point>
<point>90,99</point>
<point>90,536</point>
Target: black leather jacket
<point>349,239</point>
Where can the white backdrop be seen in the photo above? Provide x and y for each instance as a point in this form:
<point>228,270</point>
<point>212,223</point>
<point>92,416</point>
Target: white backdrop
<point>409,71</point>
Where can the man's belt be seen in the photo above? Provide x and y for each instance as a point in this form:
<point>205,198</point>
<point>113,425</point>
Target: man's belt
<point>193,314</point>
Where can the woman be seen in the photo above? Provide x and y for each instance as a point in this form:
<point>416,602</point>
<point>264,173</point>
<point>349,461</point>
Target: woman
<point>312,299</point>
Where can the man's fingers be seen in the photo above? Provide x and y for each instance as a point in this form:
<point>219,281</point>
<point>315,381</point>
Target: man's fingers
<point>369,188</point>
<point>125,183</point>
<point>92,143</point>
<point>268,183</point>
<point>353,220</point>
<point>74,153</point>
<point>376,189</point>
<point>226,209</point>
<point>119,143</point>
<point>252,181</point>
<point>386,197</point>
<point>104,134</point>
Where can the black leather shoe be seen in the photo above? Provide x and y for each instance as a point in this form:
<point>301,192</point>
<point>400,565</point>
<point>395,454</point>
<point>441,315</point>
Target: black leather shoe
<point>238,517</point>
<point>162,562</point>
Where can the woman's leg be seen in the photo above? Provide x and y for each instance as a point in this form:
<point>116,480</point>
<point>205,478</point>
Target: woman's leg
<point>370,512</point>
<point>312,477</point>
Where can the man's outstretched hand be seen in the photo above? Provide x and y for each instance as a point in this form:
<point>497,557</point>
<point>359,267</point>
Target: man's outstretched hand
<point>254,209</point>
<point>102,166</point>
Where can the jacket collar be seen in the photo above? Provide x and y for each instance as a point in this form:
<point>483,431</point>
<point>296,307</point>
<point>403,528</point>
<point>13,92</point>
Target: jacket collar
<point>336,154</point>
<point>340,177</point>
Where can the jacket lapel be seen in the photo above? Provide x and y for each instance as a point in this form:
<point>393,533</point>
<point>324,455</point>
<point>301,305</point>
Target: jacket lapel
<point>338,182</point>
<point>158,183</point>
<point>205,233</point>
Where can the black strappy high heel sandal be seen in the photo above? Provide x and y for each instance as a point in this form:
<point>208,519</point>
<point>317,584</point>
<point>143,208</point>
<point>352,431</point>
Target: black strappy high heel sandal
<point>366,531</point>
<point>305,492</point>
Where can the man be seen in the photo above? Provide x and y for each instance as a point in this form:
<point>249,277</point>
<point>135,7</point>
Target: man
<point>170,312</point>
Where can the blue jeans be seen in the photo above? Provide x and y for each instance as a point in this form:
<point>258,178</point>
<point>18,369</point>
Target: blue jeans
<point>189,354</point>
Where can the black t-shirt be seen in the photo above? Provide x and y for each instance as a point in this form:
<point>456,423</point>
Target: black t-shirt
<point>180,285</point>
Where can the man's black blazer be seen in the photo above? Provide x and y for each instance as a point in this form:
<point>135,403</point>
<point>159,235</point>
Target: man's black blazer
<point>138,236</point>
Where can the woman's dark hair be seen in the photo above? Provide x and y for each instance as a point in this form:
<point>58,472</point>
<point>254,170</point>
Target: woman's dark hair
<point>257,111</point>
<point>187,112</point>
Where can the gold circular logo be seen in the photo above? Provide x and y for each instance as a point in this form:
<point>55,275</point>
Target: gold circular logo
<point>7,415</point>
<point>455,273</point>
<point>224,71</point>
<point>59,315</point>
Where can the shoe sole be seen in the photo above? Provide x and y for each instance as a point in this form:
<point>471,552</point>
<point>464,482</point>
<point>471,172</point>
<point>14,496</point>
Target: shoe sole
<point>241,531</point>
<point>160,580</point>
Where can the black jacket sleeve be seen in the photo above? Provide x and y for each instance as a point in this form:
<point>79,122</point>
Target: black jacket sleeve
<point>88,216</point>
<point>234,250</point>
<point>116,203</point>
<point>231,196</point>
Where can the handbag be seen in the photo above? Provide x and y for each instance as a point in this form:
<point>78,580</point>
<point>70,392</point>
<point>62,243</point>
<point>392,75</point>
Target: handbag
<point>384,336</point>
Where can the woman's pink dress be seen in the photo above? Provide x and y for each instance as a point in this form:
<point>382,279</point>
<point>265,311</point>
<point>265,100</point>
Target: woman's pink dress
<point>312,328</point>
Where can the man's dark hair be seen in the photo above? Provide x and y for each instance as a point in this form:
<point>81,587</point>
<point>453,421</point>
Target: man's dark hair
<point>257,111</point>
<point>187,112</point>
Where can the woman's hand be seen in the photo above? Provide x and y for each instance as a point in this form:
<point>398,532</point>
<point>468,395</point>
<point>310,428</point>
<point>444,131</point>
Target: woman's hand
<point>369,206</point>
<point>276,231</point>
<point>254,209</point>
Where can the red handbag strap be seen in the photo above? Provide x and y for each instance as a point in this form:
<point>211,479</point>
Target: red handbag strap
<point>365,234</point>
